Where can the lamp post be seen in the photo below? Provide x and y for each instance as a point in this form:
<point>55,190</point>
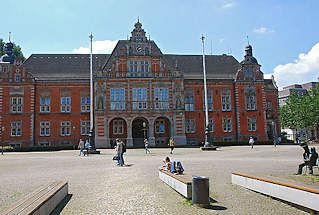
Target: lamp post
<point>207,138</point>
<point>144,130</point>
<point>73,135</point>
<point>273,133</point>
<point>2,139</point>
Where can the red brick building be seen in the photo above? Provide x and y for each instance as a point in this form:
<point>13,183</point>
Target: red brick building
<point>138,92</point>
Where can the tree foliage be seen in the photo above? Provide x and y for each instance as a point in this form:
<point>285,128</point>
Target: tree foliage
<point>17,52</point>
<point>301,111</point>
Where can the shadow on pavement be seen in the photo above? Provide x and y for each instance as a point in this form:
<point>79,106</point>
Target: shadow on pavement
<point>62,204</point>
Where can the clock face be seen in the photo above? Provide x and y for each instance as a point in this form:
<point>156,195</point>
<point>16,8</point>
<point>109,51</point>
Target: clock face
<point>139,48</point>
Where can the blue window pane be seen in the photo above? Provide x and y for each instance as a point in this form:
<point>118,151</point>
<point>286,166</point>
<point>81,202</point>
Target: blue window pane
<point>112,94</point>
<point>122,94</point>
<point>83,100</point>
<point>88,100</point>
<point>68,99</point>
<point>42,101</point>
<point>48,101</point>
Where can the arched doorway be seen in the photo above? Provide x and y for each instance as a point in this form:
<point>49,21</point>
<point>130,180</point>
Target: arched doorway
<point>139,132</point>
<point>162,131</point>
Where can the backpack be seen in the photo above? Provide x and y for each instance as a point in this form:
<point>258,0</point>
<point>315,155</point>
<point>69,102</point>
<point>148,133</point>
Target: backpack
<point>124,147</point>
<point>173,167</point>
<point>179,168</point>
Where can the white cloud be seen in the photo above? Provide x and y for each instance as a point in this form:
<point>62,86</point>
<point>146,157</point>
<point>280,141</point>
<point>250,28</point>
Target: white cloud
<point>263,30</point>
<point>99,47</point>
<point>302,70</point>
<point>228,5</point>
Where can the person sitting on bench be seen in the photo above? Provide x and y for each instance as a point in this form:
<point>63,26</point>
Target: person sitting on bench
<point>309,162</point>
<point>167,164</point>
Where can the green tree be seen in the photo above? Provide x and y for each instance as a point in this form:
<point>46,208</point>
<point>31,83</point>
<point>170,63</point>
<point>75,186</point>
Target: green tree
<point>17,52</point>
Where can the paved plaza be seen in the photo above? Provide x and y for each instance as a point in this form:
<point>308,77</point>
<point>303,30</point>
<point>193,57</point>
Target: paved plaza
<point>98,186</point>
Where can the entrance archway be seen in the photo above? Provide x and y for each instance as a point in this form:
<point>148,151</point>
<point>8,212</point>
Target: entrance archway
<point>139,132</point>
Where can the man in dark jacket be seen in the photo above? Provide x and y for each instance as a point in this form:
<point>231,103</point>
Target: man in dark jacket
<point>312,161</point>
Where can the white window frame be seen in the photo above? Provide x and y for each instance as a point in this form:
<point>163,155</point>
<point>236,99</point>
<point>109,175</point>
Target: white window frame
<point>226,99</point>
<point>65,104</point>
<point>139,96</point>
<point>252,124</point>
<point>117,98</point>
<point>16,104</point>
<point>16,129</point>
<point>211,122</point>
<point>45,129</point>
<point>161,98</point>
<point>118,126</point>
<point>189,103</point>
<point>85,104</point>
<point>45,104</point>
<point>17,77</point>
<point>227,125</point>
<point>65,128</point>
<point>251,102</point>
<point>190,126</point>
<point>85,127</point>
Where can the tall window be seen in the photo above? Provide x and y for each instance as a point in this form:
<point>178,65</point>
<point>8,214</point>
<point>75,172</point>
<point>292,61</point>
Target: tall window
<point>190,126</point>
<point>85,104</point>
<point>117,98</point>
<point>139,98</point>
<point>227,124</point>
<point>17,78</point>
<point>211,125</point>
<point>139,66</point>
<point>209,99</point>
<point>252,124</point>
<point>65,104</point>
<point>161,98</point>
<point>118,126</point>
<point>16,104</point>
<point>65,128</point>
<point>250,94</point>
<point>45,104</point>
<point>226,100</point>
<point>85,127</point>
<point>160,126</point>
<point>189,103</point>
<point>44,128</point>
<point>15,129</point>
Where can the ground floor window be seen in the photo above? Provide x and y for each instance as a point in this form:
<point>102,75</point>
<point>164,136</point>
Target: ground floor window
<point>227,124</point>
<point>160,126</point>
<point>15,129</point>
<point>252,124</point>
<point>118,126</point>
<point>85,127</point>
<point>44,128</point>
<point>211,125</point>
<point>65,128</point>
<point>190,126</point>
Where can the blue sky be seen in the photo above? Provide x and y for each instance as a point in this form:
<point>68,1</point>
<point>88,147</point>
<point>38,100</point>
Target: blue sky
<point>278,30</point>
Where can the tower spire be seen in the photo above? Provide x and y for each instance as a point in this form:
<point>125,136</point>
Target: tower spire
<point>247,40</point>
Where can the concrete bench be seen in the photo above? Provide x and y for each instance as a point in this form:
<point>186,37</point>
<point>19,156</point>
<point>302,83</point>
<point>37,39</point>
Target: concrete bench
<point>42,201</point>
<point>304,195</point>
<point>181,183</point>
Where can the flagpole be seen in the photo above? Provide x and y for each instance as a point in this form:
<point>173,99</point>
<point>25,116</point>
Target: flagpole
<point>207,139</point>
<point>91,97</point>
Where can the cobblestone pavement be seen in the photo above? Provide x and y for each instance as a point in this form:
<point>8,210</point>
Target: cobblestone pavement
<point>98,186</point>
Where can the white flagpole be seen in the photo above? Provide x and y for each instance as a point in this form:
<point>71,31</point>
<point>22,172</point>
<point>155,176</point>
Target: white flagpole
<point>205,92</point>
<point>91,86</point>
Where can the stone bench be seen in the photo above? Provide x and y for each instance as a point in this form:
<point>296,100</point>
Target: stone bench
<point>295,192</point>
<point>42,201</point>
<point>181,183</point>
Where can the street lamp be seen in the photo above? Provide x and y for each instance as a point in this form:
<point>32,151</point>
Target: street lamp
<point>2,142</point>
<point>144,130</point>
<point>273,132</point>
<point>73,135</point>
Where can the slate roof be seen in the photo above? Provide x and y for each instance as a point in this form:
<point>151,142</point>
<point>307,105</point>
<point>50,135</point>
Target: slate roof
<point>269,84</point>
<point>76,66</point>
<point>63,66</point>
<point>217,66</point>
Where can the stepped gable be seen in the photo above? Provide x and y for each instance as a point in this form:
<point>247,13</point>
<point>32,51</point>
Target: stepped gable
<point>217,66</point>
<point>63,66</point>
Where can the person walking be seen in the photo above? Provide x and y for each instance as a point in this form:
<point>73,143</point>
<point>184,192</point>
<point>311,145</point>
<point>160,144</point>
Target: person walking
<point>171,144</point>
<point>81,147</point>
<point>251,142</point>
<point>147,145</point>
<point>119,150</point>
<point>87,147</point>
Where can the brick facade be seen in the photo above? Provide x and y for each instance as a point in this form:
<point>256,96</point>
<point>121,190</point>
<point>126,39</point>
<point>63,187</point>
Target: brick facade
<point>139,92</point>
